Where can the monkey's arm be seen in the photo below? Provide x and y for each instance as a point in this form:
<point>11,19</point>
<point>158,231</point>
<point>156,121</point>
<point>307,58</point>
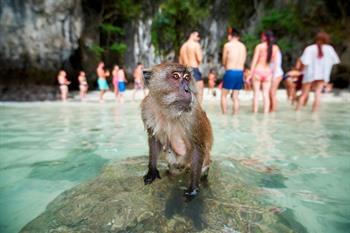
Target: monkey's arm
<point>196,169</point>
<point>155,148</point>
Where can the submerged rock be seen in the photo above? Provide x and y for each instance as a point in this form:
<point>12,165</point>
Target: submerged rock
<point>118,201</point>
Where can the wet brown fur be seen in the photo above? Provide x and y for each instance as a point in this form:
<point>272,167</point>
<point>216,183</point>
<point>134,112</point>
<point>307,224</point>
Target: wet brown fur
<point>173,127</point>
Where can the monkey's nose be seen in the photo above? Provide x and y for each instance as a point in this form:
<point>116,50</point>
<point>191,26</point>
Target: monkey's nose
<point>184,86</point>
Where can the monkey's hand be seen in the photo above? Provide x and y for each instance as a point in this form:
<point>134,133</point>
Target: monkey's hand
<point>151,175</point>
<point>191,193</point>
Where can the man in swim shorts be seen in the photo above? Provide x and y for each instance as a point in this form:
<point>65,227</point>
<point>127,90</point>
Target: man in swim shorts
<point>233,58</point>
<point>191,55</point>
<point>102,79</point>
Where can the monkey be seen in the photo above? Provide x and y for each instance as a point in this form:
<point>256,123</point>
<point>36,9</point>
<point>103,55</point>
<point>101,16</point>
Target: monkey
<point>176,124</point>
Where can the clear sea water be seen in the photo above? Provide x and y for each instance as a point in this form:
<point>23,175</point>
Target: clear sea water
<point>49,147</point>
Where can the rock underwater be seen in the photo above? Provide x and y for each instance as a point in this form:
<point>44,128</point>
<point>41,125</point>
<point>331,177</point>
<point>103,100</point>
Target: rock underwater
<point>118,201</point>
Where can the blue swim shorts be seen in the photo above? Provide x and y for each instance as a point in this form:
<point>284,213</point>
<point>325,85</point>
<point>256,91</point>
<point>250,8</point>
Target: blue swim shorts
<point>233,80</point>
<point>196,74</point>
<point>121,86</point>
<point>102,84</point>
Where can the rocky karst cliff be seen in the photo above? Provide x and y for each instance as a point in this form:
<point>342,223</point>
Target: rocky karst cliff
<point>38,35</point>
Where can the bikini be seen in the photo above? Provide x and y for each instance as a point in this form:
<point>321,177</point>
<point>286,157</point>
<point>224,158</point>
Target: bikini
<point>263,74</point>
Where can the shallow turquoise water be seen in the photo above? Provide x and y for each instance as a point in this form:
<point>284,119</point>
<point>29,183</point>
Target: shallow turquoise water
<point>304,158</point>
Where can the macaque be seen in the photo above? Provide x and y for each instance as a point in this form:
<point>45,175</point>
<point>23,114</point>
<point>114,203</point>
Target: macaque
<point>176,124</point>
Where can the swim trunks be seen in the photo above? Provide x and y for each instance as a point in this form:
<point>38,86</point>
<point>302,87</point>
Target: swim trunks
<point>233,80</point>
<point>121,86</point>
<point>197,74</point>
<point>102,84</point>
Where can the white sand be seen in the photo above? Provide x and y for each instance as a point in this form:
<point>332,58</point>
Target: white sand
<point>245,96</point>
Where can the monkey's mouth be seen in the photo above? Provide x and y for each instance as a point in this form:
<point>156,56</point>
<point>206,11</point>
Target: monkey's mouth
<point>183,105</point>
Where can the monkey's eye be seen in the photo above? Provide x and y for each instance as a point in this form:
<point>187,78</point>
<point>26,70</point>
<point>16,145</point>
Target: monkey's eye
<point>187,77</point>
<point>176,75</point>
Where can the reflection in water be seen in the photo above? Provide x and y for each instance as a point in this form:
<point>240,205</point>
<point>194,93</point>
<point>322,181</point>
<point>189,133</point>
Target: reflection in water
<point>264,143</point>
<point>176,204</point>
<point>297,161</point>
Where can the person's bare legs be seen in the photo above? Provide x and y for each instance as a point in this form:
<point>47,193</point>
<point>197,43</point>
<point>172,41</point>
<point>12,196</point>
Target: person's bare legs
<point>256,93</point>
<point>273,92</point>
<point>266,95</point>
<point>64,93</point>
<point>199,85</point>
<point>318,84</point>
<point>293,94</point>
<point>102,92</point>
<point>116,91</point>
<point>224,93</point>
<point>133,94</point>
<point>287,85</point>
<point>235,102</point>
<point>305,89</point>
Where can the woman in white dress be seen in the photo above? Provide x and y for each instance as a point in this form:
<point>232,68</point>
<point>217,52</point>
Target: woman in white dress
<point>318,60</point>
<point>276,79</point>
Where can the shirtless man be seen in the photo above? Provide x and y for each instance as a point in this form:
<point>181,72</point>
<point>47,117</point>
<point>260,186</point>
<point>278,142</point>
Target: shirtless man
<point>233,58</point>
<point>102,79</point>
<point>191,55</point>
<point>138,83</point>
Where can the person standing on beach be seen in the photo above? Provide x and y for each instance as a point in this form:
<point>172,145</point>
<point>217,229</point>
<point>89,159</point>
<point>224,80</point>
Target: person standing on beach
<point>102,79</point>
<point>83,85</point>
<point>121,85</point>
<point>233,59</point>
<point>63,82</point>
<point>191,55</point>
<point>318,60</point>
<point>211,81</point>
<point>115,80</point>
<point>261,70</point>
<point>138,82</point>
<point>276,79</point>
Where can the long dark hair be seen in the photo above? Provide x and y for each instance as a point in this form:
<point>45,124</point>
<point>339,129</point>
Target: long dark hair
<point>269,38</point>
<point>320,39</point>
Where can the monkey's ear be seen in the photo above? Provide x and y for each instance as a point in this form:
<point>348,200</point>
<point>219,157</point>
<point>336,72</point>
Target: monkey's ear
<point>147,74</point>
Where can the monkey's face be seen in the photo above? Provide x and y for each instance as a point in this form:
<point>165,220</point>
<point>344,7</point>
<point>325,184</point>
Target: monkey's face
<point>181,95</point>
<point>173,87</point>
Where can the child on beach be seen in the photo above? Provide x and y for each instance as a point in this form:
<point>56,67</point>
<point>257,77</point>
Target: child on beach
<point>83,85</point>
<point>292,81</point>
<point>247,83</point>
<point>63,82</point>
<point>211,81</point>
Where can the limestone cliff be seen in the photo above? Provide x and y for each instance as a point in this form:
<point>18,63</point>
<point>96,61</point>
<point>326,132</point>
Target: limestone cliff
<point>38,34</point>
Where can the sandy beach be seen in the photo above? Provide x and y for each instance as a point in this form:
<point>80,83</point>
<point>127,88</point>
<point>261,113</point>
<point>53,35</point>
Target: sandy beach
<point>245,96</point>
